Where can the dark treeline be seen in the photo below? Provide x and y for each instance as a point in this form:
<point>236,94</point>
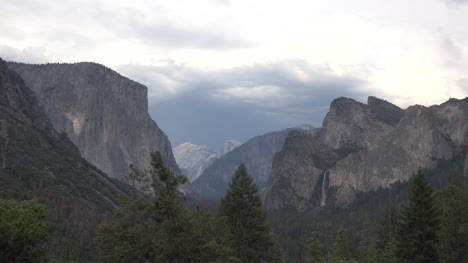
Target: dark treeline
<point>423,220</point>
<point>153,225</point>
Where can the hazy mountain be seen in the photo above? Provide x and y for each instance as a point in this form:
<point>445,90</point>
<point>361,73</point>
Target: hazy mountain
<point>256,154</point>
<point>363,147</point>
<point>103,113</point>
<point>193,159</point>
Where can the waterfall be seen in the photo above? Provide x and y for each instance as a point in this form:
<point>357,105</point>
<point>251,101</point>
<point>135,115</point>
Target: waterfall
<point>324,193</point>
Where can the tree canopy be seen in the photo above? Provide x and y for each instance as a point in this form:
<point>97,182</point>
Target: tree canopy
<point>416,239</point>
<point>23,231</point>
<point>249,234</point>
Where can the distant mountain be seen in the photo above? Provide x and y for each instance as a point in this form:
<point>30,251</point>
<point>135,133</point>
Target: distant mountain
<point>193,159</point>
<point>103,113</point>
<point>256,154</point>
<point>39,162</point>
<point>362,148</point>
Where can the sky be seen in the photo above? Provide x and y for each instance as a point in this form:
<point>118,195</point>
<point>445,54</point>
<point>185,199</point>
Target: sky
<point>224,69</point>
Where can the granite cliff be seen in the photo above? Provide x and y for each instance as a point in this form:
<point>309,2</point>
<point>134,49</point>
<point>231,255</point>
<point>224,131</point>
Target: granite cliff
<point>103,113</point>
<point>363,147</point>
<point>257,155</point>
<point>39,162</point>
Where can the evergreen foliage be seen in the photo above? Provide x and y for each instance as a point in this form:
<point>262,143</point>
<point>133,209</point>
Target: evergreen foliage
<point>453,233</point>
<point>23,231</point>
<point>367,248</point>
<point>249,234</point>
<point>160,228</point>
<point>316,248</point>
<point>386,234</point>
<point>341,250</point>
<point>416,239</point>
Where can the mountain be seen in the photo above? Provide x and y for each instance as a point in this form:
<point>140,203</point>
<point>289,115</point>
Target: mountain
<point>256,154</point>
<point>37,159</point>
<point>39,162</point>
<point>103,113</point>
<point>362,148</point>
<point>193,159</point>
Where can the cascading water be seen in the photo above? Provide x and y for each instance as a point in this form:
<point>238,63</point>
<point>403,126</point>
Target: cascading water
<point>324,192</point>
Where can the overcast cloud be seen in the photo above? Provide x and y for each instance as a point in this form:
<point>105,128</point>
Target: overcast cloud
<point>219,69</point>
<point>240,102</point>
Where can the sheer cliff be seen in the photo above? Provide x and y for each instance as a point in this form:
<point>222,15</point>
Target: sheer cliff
<point>37,161</point>
<point>103,113</point>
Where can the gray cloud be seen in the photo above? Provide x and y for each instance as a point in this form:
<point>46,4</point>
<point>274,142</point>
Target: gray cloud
<point>211,107</point>
<point>26,55</point>
<point>452,55</point>
<point>131,23</point>
<point>56,21</point>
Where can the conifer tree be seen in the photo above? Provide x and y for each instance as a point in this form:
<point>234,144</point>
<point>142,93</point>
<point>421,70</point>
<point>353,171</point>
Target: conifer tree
<point>416,239</point>
<point>453,234</point>
<point>386,231</point>
<point>159,228</point>
<point>367,247</point>
<point>316,248</point>
<point>249,234</point>
<point>341,252</point>
<point>23,231</point>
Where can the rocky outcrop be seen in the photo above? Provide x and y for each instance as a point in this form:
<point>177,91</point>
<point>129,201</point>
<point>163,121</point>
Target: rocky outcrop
<point>363,147</point>
<point>257,155</point>
<point>103,113</point>
<point>355,124</point>
<point>39,162</point>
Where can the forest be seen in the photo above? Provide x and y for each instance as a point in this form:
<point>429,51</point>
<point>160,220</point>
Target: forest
<point>424,220</point>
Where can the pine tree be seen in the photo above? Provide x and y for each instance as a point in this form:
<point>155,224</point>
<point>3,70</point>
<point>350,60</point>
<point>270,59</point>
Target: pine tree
<point>367,247</point>
<point>316,248</point>
<point>249,234</point>
<point>159,228</point>
<point>341,250</point>
<point>386,232</point>
<point>416,239</point>
<point>453,234</point>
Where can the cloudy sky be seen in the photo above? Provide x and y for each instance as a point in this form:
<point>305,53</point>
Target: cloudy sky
<point>233,69</point>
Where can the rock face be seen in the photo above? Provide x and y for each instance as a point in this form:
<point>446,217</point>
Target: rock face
<point>256,154</point>
<point>39,162</point>
<point>193,159</point>
<point>352,123</point>
<point>363,147</point>
<point>103,113</point>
